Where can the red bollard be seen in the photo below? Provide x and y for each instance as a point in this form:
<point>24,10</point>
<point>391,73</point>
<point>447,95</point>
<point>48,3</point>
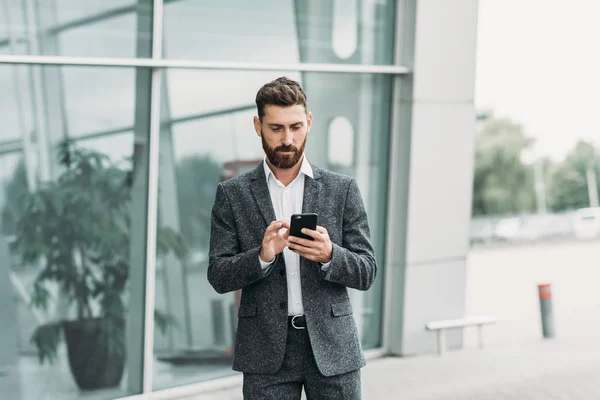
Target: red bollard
<point>547,316</point>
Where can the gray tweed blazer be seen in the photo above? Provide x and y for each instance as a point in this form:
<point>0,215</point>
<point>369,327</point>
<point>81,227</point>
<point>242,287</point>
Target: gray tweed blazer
<point>240,215</point>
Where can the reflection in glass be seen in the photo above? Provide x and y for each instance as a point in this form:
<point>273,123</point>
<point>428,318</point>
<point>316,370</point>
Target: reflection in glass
<point>345,28</point>
<point>231,30</point>
<point>314,31</point>
<point>341,132</point>
<point>13,179</point>
<point>92,28</point>
<point>66,240</point>
<point>12,40</point>
<point>11,103</point>
<point>85,92</point>
<point>211,145</point>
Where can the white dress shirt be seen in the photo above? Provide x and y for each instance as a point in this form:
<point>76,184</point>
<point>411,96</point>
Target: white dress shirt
<point>287,200</point>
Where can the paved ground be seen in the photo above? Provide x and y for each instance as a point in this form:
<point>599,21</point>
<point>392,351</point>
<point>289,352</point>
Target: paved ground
<point>503,282</point>
<point>550,370</point>
<point>516,363</point>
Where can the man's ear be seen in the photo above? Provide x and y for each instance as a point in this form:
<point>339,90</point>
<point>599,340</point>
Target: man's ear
<point>257,126</point>
<point>308,121</point>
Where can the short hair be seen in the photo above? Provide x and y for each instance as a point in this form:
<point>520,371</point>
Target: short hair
<point>280,92</point>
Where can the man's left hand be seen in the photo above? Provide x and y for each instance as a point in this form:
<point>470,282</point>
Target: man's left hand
<point>320,249</point>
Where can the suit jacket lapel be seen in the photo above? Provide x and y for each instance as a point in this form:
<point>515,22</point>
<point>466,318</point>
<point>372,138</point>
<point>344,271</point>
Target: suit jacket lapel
<point>260,190</point>
<point>310,201</point>
<point>312,192</point>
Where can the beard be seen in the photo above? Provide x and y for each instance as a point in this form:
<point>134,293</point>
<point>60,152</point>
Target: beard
<point>280,160</point>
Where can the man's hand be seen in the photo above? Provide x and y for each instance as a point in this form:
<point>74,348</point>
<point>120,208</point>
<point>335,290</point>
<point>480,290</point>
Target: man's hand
<point>320,249</point>
<point>274,241</point>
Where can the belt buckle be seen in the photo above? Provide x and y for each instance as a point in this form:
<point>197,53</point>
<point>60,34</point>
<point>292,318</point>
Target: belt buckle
<point>297,327</point>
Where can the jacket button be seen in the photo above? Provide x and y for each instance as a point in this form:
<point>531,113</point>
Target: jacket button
<point>282,272</point>
<point>283,305</point>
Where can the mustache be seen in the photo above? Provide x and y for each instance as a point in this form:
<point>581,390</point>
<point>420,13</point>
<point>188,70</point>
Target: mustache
<point>285,148</point>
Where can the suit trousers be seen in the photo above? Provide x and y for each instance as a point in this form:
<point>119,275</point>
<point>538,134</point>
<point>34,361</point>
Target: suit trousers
<point>300,370</point>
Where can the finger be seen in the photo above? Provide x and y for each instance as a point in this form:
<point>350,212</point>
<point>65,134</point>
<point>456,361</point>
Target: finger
<point>272,227</point>
<point>270,237</point>
<point>302,242</point>
<point>305,252</point>
<point>322,230</point>
<point>276,225</point>
<point>281,235</point>
<point>311,233</point>
<point>303,248</point>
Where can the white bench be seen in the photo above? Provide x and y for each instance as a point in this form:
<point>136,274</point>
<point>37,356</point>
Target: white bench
<point>441,326</point>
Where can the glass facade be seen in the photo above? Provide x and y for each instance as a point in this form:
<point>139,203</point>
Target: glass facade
<point>93,28</point>
<point>281,31</point>
<point>210,146</point>
<point>76,176</point>
<point>66,231</point>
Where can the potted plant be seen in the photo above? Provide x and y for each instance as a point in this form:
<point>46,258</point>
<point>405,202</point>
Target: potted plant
<point>77,229</point>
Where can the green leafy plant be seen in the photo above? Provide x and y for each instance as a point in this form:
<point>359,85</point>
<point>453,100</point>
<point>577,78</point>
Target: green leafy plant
<point>78,228</point>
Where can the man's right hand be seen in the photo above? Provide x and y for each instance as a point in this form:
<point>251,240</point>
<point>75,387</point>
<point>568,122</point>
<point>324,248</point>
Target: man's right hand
<point>274,241</point>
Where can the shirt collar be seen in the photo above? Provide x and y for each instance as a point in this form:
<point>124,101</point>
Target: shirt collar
<point>305,168</point>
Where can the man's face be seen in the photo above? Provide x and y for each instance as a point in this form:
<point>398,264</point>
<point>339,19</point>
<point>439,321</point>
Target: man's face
<point>283,132</point>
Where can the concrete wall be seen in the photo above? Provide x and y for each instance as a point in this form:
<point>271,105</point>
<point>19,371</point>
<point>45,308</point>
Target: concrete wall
<point>431,181</point>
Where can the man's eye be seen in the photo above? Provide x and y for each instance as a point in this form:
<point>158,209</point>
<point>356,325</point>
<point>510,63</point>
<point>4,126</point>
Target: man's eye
<point>276,129</point>
<point>295,128</point>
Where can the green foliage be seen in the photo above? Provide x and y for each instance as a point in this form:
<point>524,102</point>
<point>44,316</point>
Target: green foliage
<point>79,228</point>
<point>568,187</point>
<point>502,184</point>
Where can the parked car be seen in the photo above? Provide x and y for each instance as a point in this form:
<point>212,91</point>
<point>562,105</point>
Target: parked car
<point>508,229</point>
<point>586,223</point>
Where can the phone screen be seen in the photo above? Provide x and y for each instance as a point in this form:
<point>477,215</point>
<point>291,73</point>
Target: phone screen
<point>299,221</point>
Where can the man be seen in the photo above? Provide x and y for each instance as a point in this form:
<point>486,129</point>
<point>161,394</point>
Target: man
<point>295,323</point>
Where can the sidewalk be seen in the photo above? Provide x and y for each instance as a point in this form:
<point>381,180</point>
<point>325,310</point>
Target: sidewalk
<point>535,370</point>
<point>516,364</point>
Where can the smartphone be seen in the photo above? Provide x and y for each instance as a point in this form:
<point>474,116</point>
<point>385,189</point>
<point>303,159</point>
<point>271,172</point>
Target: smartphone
<point>299,221</point>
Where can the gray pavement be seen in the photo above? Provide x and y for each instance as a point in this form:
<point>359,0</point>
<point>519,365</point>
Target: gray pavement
<point>536,370</point>
<point>516,363</point>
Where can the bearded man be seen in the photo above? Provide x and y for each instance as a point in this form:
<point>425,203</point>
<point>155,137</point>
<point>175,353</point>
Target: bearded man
<point>296,327</point>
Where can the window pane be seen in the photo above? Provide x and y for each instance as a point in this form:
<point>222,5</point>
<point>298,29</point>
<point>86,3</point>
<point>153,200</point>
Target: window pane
<point>92,28</point>
<point>14,113</point>
<point>70,238</point>
<point>345,28</point>
<point>281,31</point>
<point>216,143</point>
<point>97,99</point>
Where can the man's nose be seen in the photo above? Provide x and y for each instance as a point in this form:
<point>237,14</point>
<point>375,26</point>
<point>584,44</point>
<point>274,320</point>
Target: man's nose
<point>288,138</point>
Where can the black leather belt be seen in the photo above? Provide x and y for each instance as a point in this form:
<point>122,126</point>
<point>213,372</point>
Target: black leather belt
<point>297,321</point>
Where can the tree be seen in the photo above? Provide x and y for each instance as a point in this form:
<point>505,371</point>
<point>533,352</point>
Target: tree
<point>568,188</point>
<point>502,184</point>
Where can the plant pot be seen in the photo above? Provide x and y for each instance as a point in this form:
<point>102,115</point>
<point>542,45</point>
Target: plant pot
<point>94,364</point>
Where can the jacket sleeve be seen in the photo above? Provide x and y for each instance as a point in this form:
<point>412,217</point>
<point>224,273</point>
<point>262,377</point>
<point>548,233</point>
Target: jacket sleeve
<point>353,263</point>
<point>228,269</point>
